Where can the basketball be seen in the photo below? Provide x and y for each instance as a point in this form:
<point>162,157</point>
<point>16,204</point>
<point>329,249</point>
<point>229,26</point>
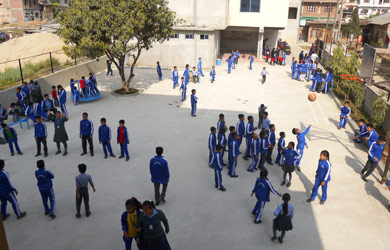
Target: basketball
<point>312,97</point>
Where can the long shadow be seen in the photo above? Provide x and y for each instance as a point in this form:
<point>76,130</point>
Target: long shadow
<point>374,192</point>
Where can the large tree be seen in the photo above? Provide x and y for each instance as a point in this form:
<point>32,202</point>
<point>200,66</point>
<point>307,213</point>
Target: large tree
<point>116,28</point>
<point>353,27</point>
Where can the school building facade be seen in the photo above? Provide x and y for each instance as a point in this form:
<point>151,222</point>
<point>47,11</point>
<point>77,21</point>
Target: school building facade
<point>213,28</point>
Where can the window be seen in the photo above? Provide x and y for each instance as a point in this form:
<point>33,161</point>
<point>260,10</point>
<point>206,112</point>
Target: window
<point>386,1</point>
<point>292,13</point>
<point>328,8</point>
<point>175,36</point>
<point>366,1</point>
<point>311,8</point>
<point>25,2</point>
<point>189,36</point>
<point>351,1</point>
<point>364,11</point>
<point>204,37</point>
<point>250,6</point>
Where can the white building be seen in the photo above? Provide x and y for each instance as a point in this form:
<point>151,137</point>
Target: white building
<point>215,27</point>
<point>372,7</point>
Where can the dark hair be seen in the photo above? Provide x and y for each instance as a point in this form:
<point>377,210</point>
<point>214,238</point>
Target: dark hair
<point>222,130</point>
<point>40,164</point>
<point>122,121</point>
<point>346,102</point>
<point>271,126</point>
<point>264,173</point>
<point>45,95</point>
<point>85,113</point>
<point>134,203</point>
<point>187,65</point>
<point>381,138</point>
<point>240,116</point>
<point>325,153</point>
<point>281,134</point>
<point>83,77</point>
<point>232,128</point>
<point>294,131</point>
<point>370,125</point>
<point>262,106</point>
<point>159,151</point>
<point>174,67</point>
<point>193,90</point>
<point>250,117</point>
<point>82,168</point>
<point>38,117</point>
<point>149,204</point>
<point>19,88</point>
<point>2,163</point>
<point>59,86</point>
<point>103,120</point>
<point>286,198</point>
<point>53,87</point>
<point>266,113</point>
<point>362,120</point>
<point>218,147</point>
<point>3,125</point>
<point>292,143</point>
<point>263,133</point>
<point>213,129</point>
<point>221,115</point>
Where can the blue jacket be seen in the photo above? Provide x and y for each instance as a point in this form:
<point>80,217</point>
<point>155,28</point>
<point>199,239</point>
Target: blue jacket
<point>345,111</point>
<point>72,83</point>
<point>271,138</point>
<point>323,170</point>
<point>290,156</point>
<point>26,90</point>
<point>86,127</point>
<point>294,67</point>
<point>194,99</point>
<point>363,131</point>
<point>376,150</point>
<point>13,132</point>
<point>255,146</point>
<point>281,144</point>
<point>212,72</point>
<point>328,77</point>
<point>44,179</point>
<point>249,130</point>
<point>217,161</point>
<point>47,105</point>
<point>222,140</point>
<point>126,134</point>
<point>186,74</point>
<point>301,138</point>
<point>175,76</point>
<point>230,141</point>
<point>104,133</point>
<point>183,86</point>
<point>262,189</point>
<point>21,95</point>
<point>40,130</point>
<point>200,64</point>
<point>252,59</point>
<point>125,224</point>
<point>158,68</point>
<point>29,112</point>
<point>229,62</point>
<point>62,96</point>
<point>372,137</point>
<point>235,150</point>
<point>159,170</point>
<point>319,77</point>
<point>212,141</point>
<point>5,183</point>
<point>264,145</point>
<point>220,124</point>
<point>240,128</point>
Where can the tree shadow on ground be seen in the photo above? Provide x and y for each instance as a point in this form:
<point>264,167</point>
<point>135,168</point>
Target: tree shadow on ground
<point>374,192</point>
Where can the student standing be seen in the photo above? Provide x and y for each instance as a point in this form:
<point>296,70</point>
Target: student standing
<point>62,97</point>
<point>272,62</point>
<point>281,146</point>
<point>175,77</point>
<point>251,58</point>
<point>183,89</point>
<point>159,172</point>
<point>20,95</point>
<point>250,129</point>
<point>159,72</point>
<point>374,157</point>
<point>194,73</point>
<point>212,143</point>
<point>109,69</point>
<point>328,79</point>
<point>309,70</point>
<point>129,220</point>
<point>266,122</point>
<point>229,61</point>
<point>264,74</point>
<point>293,68</point>
<point>344,113</point>
<point>60,135</point>
<point>105,138</point>
<point>82,181</point>
<point>194,102</point>
<point>322,178</point>
<point>7,194</point>
<point>221,123</point>
<point>83,87</point>
<point>262,189</point>
<point>222,141</point>
<point>284,58</point>
<point>267,54</point>
<point>271,143</point>
<point>301,143</point>
<point>26,91</point>
<point>263,148</point>
<point>54,96</point>
<point>200,67</point>
<point>86,134</point>
<point>186,74</point>
<point>290,156</point>
<point>233,155</point>
<point>212,74</point>
<point>45,186</point>
<point>255,152</point>
<point>40,134</point>
<point>123,140</point>
<point>319,81</point>
<point>284,214</point>
<point>12,138</point>
<point>232,130</point>
<point>240,128</point>
<point>262,109</point>
<point>314,85</point>
<point>218,167</point>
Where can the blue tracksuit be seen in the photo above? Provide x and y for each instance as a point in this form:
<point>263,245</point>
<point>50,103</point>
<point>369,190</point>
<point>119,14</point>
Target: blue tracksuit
<point>175,78</point>
<point>310,69</point>
<point>322,174</point>
<point>212,75</point>
<point>123,145</point>
<point>62,99</point>
<point>314,84</point>
<point>159,72</point>
<point>26,90</point>
<point>229,144</point>
<point>284,58</point>
<point>251,62</point>
<point>38,110</point>
<point>220,124</point>
<point>212,144</point>
<point>30,113</point>
<point>72,83</point>
<point>183,87</point>
<point>7,194</point>
<point>13,141</point>
<point>301,145</point>
<point>159,170</point>
<point>376,151</point>
<point>218,167</point>
<point>281,146</point>
<point>222,141</point>
<point>48,105</point>
<point>94,81</point>
<point>104,138</point>
<point>40,130</point>
<point>229,65</point>
<point>186,75</point>
<point>240,128</point>
<point>76,97</point>
<point>293,69</point>
<point>248,137</point>
<point>45,186</point>
<point>319,79</point>
<point>262,189</point>
<point>200,68</point>
<point>298,71</point>
<point>91,90</point>
<point>290,156</point>
<point>255,153</point>
<point>233,154</point>
<point>372,137</point>
<point>363,131</point>
<point>21,96</point>
<point>194,102</point>
<point>86,127</point>
<point>344,113</point>
<point>328,80</point>
<point>263,151</point>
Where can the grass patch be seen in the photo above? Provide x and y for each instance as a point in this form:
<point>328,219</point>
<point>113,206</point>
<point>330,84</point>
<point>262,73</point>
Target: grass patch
<point>122,91</point>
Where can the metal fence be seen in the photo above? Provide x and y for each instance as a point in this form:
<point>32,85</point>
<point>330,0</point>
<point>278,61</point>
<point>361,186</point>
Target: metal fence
<point>24,69</point>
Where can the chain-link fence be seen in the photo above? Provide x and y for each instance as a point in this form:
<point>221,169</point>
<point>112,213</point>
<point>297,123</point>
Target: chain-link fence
<point>21,70</point>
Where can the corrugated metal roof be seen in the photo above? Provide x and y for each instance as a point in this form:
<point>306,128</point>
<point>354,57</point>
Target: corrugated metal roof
<point>381,19</point>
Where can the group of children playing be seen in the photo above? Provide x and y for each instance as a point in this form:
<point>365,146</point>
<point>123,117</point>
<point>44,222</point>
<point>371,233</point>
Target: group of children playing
<point>275,56</point>
<point>85,88</point>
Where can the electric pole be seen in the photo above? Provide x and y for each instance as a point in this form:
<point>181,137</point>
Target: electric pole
<point>334,26</point>
<point>326,27</point>
<point>340,20</point>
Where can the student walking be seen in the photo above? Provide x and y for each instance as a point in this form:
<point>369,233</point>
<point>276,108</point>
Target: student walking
<point>194,102</point>
<point>159,172</point>
<point>374,157</point>
<point>262,189</point>
<point>40,135</point>
<point>123,140</point>
<point>183,88</point>
<point>218,167</point>
<point>212,143</point>
<point>314,84</point>
<point>60,135</point>
<point>281,146</point>
<point>186,75</point>
<point>229,61</point>
<point>250,129</point>
<point>322,178</point>
<point>251,58</point>
<point>82,181</point>
<point>284,214</point>
<point>328,79</point>
<point>129,220</point>
<point>301,143</point>
<point>290,156</point>
<point>264,74</point>
<point>271,143</point>
<point>233,155</point>
<point>240,128</point>
<point>200,67</point>
<point>159,72</point>
<point>62,96</point>
<point>212,74</point>
<point>109,69</point>
<point>105,138</point>
<point>263,148</point>
<point>262,109</point>
<point>344,113</point>
<point>86,134</point>
<point>45,186</point>
<point>255,152</point>
<point>175,77</point>
<point>266,122</point>
<point>12,138</point>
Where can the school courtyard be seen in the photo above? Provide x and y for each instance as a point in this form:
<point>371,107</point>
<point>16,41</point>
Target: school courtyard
<point>200,216</point>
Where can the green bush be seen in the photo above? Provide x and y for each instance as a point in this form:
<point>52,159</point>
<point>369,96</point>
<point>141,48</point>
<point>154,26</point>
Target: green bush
<point>379,114</point>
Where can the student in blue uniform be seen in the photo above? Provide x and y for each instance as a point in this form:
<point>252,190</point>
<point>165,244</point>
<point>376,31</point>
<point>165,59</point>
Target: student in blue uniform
<point>21,98</point>
<point>218,167</point>
<point>298,71</point>
<point>186,74</point>
<point>232,130</point>
<point>262,189</point>
<point>261,112</point>
<point>290,156</point>
<point>251,58</point>
<point>237,55</point>
<point>309,70</point>
<point>322,178</point>
<point>45,186</point>
<point>319,81</point>
<point>105,138</point>
<point>229,61</point>
<point>159,72</point>
<point>222,141</point>
<point>271,143</point>
<point>362,132</point>
<point>26,91</point>
<point>374,157</point>
<point>284,58</point>
<point>233,59</point>
<point>183,88</point>
<point>345,111</point>
<point>92,77</point>
<point>240,127</point>
<point>212,144</point>
<point>221,122</point>
<point>175,77</point>
<point>129,221</point>
<point>284,214</point>
<point>40,135</point>
<point>123,140</point>
<point>76,96</point>
<point>250,129</point>
<point>328,79</point>
<point>212,74</point>
<point>38,109</point>
<point>200,67</point>
<point>266,122</point>
<point>48,104</point>
<point>30,112</point>
<point>263,148</point>
<point>194,102</point>
<point>72,85</point>
<point>233,155</point>
<point>86,134</point>
<point>301,143</point>
<point>372,135</point>
<point>7,194</point>
<point>12,138</point>
<point>314,85</point>
<point>293,67</point>
<point>255,152</point>
<point>62,98</point>
<point>281,146</point>
<point>159,171</point>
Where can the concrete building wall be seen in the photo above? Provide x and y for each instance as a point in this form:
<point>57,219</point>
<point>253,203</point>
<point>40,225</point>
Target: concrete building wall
<point>372,7</point>
<point>11,11</point>
<point>290,33</point>
<point>243,39</point>
<point>318,9</point>
<point>272,37</point>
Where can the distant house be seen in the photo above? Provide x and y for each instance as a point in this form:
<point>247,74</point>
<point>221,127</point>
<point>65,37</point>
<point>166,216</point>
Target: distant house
<point>19,10</point>
<point>378,30</point>
<point>372,7</point>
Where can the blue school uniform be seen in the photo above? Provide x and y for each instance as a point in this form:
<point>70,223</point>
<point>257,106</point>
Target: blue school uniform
<point>344,113</point>
<point>310,69</point>
<point>372,137</point>
<point>159,73</point>
<point>281,146</point>
<point>218,167</point>
<point>186,75</point>
<point>319,78</point>
<point>104,138</point>
<point>229,65</point>
<point>212,75</point>
<point>293,69</point>
<point>21,96</point>
<point>212,144</point>
<point>262,190</point>
<point>248,137</point>
<point>40,130</point>
<point>284,58</point>
<point>48,105</point>
<point>7,194</point>
<point>183,87</point>
<point>12,140</point>
<point>26,90</point>
<point>222,141</point>
<point>194,102</point>
<point>94,81</point>
<point>314,84</point>
<point>255,153</point>
<point>38,110</point>
<point>125,221</point>
<point>328,80</point>
<point>264,144</point>
<point>363,131</point>
<point>123,145</point>
<point>301,145</point>
<point>30,113</point>
<point>72,83</point>
<point>298,71</point>
<point>45,186</point>
<point>322,175</point>
<point>290,156</point>
<point>200,67</point>
<point>229,144</point>
<point>233,155</point>
<point>76,96</point>
<point>175,77</point>
<point>240,128</point>
<point>62,99</point>
<point>251,62</point>
<point>220,124</point>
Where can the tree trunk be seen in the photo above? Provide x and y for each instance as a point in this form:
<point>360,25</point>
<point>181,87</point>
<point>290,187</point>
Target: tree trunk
<point>135,59</point>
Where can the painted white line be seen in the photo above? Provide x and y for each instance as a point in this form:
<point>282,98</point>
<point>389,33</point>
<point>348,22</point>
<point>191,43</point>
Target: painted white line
<point>311,107</point>
<point>323,113</point>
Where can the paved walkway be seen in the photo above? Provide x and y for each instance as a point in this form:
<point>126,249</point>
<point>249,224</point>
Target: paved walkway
<point>354,217</point>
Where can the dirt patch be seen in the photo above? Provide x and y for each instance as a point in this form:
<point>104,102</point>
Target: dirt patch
<point>124,93</point>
